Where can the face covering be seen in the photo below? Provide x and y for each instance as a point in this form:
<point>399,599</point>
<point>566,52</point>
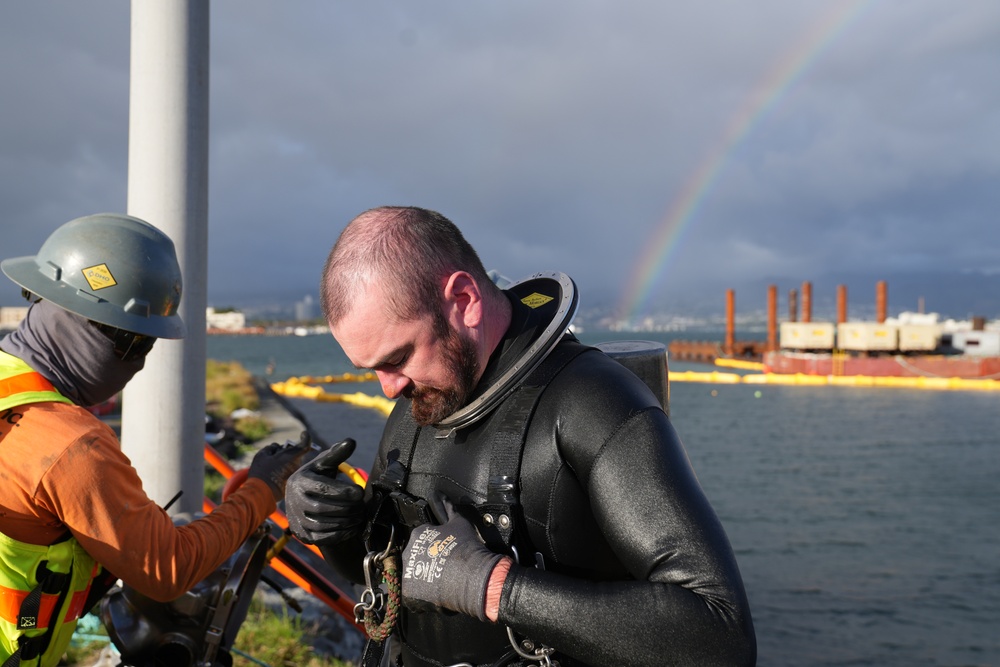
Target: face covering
<point>71,353</point>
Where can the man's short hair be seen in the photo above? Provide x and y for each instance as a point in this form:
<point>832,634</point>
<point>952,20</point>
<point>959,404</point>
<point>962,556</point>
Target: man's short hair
<point>408,251</point>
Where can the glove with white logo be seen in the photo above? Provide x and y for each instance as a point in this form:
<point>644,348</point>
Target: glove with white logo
<point>448,565</point>
<point>322,508</point>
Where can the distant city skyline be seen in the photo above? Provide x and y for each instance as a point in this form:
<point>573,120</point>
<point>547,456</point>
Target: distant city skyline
<point>958,296</point>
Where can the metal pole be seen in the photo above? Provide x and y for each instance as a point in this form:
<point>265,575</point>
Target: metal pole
<point>163,420</point>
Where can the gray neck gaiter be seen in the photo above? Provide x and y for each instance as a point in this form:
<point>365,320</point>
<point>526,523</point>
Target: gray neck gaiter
<point>70,353</point>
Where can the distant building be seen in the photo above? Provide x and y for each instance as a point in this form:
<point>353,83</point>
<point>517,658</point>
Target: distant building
<point>229,320</point>
<point>305,309</point>
<point>10,317</point>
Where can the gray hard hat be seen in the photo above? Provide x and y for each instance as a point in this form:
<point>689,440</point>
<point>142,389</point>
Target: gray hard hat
<point>110,268</point>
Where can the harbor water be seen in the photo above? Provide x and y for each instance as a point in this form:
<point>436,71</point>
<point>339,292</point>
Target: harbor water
<point>866,521</point>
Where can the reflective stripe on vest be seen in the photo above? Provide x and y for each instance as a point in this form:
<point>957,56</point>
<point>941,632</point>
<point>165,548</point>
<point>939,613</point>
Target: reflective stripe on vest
<point>11,601</point>
<point>20,384</point>
<point>24,382</point>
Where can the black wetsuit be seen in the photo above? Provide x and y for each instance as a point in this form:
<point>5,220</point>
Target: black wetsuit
<point>638,569</point>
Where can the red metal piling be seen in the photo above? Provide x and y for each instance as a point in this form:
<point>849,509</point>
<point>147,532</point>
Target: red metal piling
<point>881,301</point>
<point>730,322</point>
<point>772,318</point>
<point>807,306</point>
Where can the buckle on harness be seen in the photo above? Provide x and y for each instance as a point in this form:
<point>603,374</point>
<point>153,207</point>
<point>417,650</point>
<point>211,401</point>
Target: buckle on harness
<point>412,511</point>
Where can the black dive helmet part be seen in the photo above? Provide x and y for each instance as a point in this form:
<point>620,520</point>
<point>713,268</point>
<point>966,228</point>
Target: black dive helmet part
<point>547,289</point>
<point>648,360</point>
<point>197,629</point>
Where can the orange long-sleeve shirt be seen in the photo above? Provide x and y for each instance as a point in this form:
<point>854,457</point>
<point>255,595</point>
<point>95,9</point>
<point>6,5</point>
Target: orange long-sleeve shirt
<point>62,468</point>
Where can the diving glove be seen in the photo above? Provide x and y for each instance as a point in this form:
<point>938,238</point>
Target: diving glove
<point>448,565</point>
<point>322,507</point>
<point>274,463</point>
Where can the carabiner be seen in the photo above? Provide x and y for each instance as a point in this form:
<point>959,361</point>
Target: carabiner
<point>369,565</point>
<point>541,653</point>
<point>388,547</point>
<point>373,597</point>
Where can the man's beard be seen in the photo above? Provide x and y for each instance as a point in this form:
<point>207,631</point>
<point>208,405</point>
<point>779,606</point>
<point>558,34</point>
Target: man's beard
<point>431,405</point>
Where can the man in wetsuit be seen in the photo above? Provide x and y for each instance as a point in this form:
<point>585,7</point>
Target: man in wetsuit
<point>543,506</point>
<point>103,289</point>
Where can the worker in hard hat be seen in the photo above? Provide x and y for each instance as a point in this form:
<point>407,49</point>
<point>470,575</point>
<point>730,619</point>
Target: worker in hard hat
<point>102,288</point>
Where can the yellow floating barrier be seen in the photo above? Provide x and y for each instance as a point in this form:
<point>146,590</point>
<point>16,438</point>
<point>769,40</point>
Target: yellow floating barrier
<point>792,379</point>
<point>304,387</point>
<point>333,379</point>
<point>741,364</point>
<point>801,379</point>
<point>714,376</point>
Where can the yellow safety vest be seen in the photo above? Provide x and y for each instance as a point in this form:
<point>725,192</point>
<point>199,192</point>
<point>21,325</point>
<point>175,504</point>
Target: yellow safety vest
<point>43,588</point>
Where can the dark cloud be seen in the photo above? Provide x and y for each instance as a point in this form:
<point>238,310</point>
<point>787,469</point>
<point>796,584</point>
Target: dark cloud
<point>558,135</point>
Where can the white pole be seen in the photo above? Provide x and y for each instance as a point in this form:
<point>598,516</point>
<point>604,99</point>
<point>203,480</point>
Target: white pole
<point>163,420</point>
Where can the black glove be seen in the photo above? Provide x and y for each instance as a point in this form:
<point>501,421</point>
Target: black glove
<point>275,463</point>
<point>447,565</point>
<point>321,508</point>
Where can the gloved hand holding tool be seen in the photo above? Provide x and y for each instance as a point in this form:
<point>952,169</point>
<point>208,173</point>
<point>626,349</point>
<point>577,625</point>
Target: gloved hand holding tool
<point>275,463</point>
<point>447,565</point>
<point>322,508</point>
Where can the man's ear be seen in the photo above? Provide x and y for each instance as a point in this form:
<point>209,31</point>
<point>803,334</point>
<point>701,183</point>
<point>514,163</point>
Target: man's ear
<point>463,300</point>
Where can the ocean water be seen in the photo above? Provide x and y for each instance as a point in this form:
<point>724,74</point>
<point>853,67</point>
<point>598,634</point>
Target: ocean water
<point>866,521</point>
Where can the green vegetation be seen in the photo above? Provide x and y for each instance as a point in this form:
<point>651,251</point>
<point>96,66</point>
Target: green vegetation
<point>228,387</point>
<point>88,642</point>
<point>278,639</point>
<point>252,428</point>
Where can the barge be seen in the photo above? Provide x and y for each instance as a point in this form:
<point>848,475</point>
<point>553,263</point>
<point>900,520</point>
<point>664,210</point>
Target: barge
<point>911,345</point>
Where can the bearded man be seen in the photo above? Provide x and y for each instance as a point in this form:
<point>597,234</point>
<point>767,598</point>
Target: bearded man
<point>534,490</point>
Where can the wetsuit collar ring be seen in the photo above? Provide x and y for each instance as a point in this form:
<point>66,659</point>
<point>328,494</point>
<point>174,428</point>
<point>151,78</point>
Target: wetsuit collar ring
<point>546,284</point>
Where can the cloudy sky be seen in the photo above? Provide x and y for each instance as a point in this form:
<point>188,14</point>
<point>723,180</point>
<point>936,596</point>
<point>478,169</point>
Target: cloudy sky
<point>658,152</point>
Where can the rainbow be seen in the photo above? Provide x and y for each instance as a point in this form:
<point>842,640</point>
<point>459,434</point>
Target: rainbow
<point>667,236</point>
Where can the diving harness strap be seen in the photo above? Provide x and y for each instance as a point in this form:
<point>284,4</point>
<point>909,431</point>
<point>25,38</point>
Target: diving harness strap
<point>502,517</point>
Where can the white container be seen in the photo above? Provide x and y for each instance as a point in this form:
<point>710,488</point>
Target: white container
<point>806,335</point>
<point>867,337</point>
<point>919,337</point>
<point>977,343</point>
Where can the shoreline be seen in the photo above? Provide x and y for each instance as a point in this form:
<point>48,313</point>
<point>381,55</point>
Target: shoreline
<point>285,421</point>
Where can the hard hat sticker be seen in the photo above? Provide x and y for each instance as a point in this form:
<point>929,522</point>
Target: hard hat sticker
<point>534,300</point>
<point>99,276</point>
